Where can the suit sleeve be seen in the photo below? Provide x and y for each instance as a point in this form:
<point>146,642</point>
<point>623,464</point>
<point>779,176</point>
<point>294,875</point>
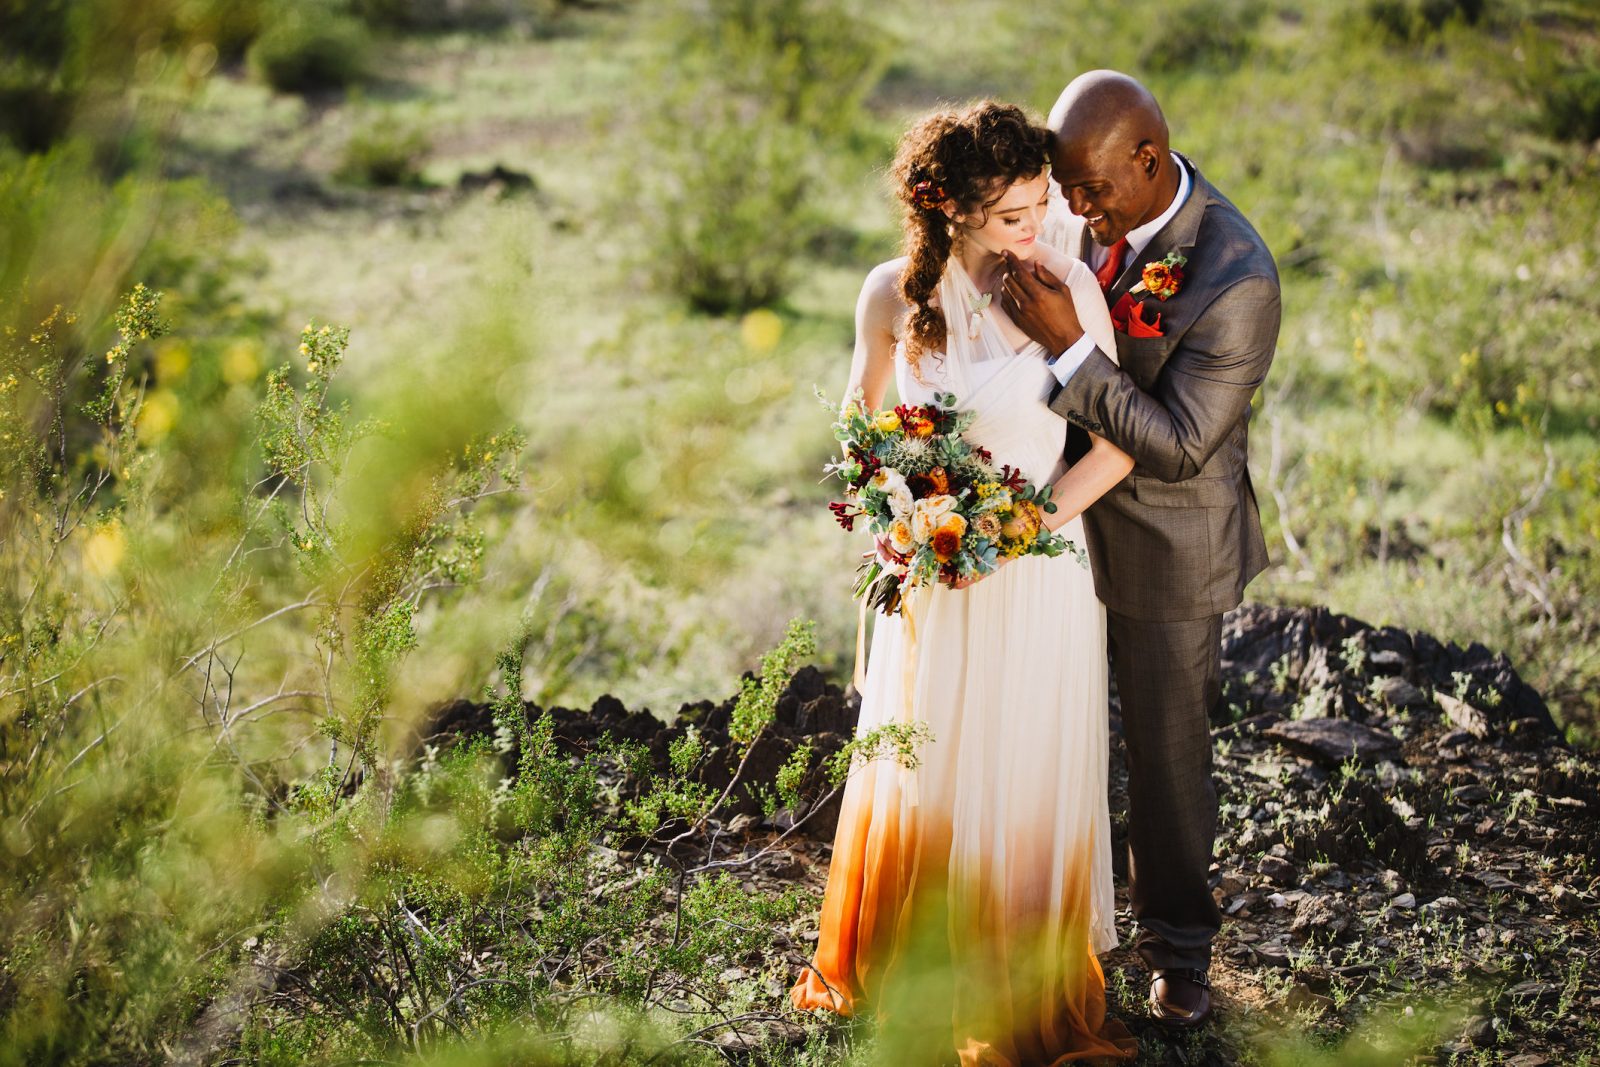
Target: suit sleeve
<point>1203,391</point>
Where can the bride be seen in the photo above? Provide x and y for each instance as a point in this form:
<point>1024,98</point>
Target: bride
<point>973,889</point>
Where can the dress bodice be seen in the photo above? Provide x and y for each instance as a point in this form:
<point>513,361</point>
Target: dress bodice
<point>1011,398</point>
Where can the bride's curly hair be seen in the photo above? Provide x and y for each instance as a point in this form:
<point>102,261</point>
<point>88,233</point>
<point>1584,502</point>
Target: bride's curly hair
<point>970,157</point>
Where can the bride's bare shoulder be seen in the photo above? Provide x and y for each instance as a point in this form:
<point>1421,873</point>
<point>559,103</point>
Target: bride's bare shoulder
<point>883,283</point>
<point>881,303</point>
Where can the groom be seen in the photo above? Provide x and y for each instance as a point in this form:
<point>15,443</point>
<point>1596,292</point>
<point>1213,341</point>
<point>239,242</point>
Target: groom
<point>1173,546</point>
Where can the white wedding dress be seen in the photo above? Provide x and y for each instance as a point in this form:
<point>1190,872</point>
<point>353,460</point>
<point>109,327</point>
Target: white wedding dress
<point>997,844</point>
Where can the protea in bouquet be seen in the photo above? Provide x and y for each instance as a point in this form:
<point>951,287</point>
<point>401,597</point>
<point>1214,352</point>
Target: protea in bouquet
<point>939,507</point>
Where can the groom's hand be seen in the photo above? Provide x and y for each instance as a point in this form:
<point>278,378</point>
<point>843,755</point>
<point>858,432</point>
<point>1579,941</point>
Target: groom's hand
<point>1040,305</point>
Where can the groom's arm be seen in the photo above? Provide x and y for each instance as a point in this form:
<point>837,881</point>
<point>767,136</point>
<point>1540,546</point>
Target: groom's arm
<point>1204,388</point>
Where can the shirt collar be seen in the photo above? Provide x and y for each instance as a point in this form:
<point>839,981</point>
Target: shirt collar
<point>1139,237</point>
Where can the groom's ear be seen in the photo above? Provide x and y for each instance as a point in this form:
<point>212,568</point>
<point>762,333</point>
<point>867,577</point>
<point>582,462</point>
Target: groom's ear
<point>1149,158</point>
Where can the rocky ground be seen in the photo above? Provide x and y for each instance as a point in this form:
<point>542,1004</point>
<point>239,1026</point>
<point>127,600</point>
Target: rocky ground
<point>1401,829</point>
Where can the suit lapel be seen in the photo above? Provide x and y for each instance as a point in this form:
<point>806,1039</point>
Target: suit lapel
<point>1178,235</point>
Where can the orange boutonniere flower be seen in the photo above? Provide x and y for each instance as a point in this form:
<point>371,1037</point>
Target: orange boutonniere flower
<point>1162,278</point>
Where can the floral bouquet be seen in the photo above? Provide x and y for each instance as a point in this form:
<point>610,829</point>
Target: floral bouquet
<point>940,508</point>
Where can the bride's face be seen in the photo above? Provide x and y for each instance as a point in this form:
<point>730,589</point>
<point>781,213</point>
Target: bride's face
<point>1014,221</point>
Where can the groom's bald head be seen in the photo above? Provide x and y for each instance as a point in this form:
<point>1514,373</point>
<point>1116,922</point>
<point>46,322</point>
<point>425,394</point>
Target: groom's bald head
<point>1111,154</point>
<point>1104,107</point>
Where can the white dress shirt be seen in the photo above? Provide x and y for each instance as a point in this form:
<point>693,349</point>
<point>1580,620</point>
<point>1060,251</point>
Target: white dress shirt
<point>1069,361</point>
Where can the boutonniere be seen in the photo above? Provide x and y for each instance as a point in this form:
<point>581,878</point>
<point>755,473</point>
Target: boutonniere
<point>1162,278</point>
<point>978,304</point>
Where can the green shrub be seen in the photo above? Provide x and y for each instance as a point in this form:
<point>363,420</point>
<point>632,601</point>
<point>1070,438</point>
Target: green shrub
<point>311,47</point>
<point>434,16</point>
<point>1565,91</point>
<point>759,100</point>
<point>1417,20</point>
<point>1214,35</point>
<point>384,151</point>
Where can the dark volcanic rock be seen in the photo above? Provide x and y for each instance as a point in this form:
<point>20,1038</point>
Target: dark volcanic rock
<point>1332,741</point>
<point>1464,836</point>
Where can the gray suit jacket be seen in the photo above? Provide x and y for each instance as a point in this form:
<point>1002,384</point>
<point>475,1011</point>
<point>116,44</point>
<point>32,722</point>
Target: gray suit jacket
<point>1180,537</point>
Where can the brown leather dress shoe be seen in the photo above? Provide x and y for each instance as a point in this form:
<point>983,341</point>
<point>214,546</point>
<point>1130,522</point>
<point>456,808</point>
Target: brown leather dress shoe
<point>1180,997</point>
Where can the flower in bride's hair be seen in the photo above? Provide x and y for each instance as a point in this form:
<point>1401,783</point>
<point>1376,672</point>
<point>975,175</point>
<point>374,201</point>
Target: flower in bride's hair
<point>928,195</point>
<point>900,538</point>
<point>946,539</point>
<point>928,514</point>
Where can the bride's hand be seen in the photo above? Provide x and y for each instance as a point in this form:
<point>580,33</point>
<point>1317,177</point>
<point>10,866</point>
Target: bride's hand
<point>962,583</point>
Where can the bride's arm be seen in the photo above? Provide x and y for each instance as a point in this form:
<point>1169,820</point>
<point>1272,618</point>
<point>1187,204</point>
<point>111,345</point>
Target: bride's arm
<point>878,307</point>
<point>1087,481</point>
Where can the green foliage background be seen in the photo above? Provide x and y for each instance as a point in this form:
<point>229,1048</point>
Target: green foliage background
<point>568,445</point>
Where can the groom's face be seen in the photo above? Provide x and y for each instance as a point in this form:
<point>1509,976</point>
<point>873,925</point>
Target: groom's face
<point>1109,188</point>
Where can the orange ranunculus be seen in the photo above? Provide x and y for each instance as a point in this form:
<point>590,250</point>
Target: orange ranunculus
<point>1162,279</point>
<point>946,539</point>
<point>918,426</point>
<point>940,479</point>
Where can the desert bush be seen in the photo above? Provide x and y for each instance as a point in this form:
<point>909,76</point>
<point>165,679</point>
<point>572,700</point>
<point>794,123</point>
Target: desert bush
<point>1213,35</point>
<point>144,514</point>
<point>384,150</point>
<point>1416,20</point>
<point>309,46</point>
<point>435,16</point>
<point>757,98</point>
<point>1563,85</point>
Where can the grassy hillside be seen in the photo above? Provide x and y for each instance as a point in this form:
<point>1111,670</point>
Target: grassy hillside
<point>1425,443</point>
<point>593,259</point>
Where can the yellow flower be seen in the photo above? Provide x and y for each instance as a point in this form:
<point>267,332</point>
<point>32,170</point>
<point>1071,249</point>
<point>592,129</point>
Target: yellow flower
<point>312,366</point>
<point>157,416</point>
<point>888,421</point>
<point>305,349</point>
<point>239,363</point>
<point>1023,525</point>
<point>761,330</point>
<point>104,551</point>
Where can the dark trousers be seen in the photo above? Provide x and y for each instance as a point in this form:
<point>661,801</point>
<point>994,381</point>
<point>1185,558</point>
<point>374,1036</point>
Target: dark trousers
<point>1169,676</point>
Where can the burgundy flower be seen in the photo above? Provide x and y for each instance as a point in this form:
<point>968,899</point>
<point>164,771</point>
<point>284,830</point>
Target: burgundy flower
<point>928,195</point>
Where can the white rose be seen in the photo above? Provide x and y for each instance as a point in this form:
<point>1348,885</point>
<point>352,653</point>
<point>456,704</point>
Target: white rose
<point>901,502</point>
<point>900,537</point>
<point>888,481</point>
<point>929,513</point>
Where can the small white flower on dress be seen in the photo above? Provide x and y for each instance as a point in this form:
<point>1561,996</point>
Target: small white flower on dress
<point>978,307</point>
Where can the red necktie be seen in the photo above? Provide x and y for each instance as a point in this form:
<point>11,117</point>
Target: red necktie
<point>1112,266</point>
